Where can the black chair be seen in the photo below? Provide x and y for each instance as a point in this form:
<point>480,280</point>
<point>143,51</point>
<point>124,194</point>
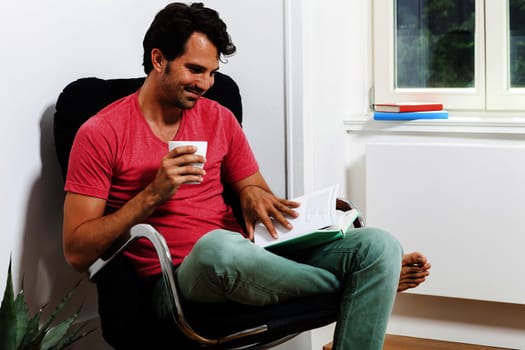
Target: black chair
<point>127,320</point>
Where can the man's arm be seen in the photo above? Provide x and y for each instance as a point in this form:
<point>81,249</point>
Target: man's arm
<point>88,233</point>
<point>259,203</point>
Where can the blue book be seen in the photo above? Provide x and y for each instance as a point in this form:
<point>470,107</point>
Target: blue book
<point>411,115</point>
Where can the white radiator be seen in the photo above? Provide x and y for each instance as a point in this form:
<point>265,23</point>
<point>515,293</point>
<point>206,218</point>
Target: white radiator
<point>461,205</point>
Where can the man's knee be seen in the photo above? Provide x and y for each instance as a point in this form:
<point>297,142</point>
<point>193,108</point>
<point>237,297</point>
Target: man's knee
<point>379,244</point>
<point>216,248</point>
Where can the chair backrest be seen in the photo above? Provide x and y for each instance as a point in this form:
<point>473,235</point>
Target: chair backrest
<point>84,97</point>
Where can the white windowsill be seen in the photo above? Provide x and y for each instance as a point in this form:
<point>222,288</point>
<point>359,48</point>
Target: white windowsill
<point>469,123</point>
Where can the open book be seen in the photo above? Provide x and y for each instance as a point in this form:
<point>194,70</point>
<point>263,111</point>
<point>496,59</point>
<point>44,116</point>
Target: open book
<point>318,222</point>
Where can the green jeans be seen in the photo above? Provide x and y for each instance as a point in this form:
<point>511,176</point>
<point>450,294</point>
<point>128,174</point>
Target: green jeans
<point>365,265</point>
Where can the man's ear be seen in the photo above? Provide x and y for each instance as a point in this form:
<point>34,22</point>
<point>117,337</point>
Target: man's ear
<point>157,60</point>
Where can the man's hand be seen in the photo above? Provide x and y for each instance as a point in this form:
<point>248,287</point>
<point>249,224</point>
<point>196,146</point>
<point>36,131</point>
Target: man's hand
<point>260,204</point>
<point>176,168</point>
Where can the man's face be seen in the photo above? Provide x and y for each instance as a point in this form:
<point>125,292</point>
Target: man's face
<point>187,77</point>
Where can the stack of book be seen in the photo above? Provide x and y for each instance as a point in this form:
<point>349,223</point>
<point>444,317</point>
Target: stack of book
<point>409,111</point>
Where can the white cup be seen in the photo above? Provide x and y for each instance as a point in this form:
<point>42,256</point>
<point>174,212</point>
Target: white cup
<point>201,146</point>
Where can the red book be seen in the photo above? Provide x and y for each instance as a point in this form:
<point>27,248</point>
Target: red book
<point>408,107</point>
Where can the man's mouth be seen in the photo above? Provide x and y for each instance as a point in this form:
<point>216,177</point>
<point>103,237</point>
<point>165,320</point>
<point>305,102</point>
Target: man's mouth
<point>194,91</point>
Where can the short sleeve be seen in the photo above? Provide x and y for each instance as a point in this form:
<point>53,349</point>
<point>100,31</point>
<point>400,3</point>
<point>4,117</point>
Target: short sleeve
<point>90,161</point>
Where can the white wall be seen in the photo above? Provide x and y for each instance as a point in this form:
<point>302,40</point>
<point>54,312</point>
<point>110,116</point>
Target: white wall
<point>337,77</point>
<point>47,44</point>
<point>336,67</point>
<point>335,85</point>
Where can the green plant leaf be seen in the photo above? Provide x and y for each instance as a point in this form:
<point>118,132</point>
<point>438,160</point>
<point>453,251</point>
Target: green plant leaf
<point>59,308</point>
<point>73,337</point>
<point>22,318</point>
<point>37,339</point>
<point>19,331</point>
<point>33,329</point>
<point>57,333</point>
<point>8,315</point>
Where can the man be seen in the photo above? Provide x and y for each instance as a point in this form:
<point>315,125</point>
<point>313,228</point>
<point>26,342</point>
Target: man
<point>121,174</point>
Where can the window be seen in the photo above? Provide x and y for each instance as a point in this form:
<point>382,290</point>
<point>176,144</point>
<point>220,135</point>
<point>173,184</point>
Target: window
<point>468,54</point>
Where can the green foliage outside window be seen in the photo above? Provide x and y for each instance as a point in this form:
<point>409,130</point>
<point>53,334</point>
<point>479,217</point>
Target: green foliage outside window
<point>435,43</point>
<point>517,42</point>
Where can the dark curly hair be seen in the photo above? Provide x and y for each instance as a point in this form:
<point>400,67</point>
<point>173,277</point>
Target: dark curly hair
<point>173,25</point>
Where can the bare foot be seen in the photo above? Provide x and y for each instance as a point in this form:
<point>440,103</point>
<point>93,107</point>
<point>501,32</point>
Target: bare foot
<point>414,270</point>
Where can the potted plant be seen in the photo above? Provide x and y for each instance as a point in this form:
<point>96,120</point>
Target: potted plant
<point>21,331</point>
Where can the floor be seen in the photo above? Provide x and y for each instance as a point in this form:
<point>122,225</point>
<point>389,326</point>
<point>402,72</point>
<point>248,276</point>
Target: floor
<point>394,342</point>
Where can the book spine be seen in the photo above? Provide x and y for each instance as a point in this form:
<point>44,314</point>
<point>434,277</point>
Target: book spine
<point>408,107</point>
<point>410,115</point>
<point>419,108</point>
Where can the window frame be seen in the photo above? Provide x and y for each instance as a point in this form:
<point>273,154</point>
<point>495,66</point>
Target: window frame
<point>491,91</point>
<point>500,96</point>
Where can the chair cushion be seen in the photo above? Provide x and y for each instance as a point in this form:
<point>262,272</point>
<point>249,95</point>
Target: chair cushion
<point>293,316</point>
<point>128,322</point>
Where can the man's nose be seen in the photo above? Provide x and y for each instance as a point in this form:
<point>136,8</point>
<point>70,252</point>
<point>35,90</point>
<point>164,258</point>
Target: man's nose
<point>205,82</point>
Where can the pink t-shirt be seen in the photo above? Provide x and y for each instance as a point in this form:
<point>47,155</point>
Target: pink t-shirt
<point>115,155</point>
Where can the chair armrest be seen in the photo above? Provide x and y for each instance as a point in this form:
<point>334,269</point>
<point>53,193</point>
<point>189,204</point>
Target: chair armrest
<point>136,232</point>
<point>346,205</point>
<point>167,270</point>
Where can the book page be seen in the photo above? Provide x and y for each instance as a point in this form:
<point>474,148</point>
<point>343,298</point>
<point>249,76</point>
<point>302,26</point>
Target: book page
<point>317,210</point>
<point>345,219</point>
